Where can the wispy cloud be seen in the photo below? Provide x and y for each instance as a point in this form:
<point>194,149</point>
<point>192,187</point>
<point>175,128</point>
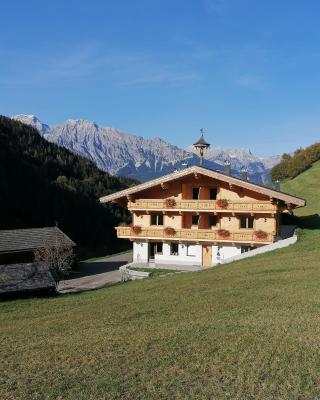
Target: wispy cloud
<point>91,63</point>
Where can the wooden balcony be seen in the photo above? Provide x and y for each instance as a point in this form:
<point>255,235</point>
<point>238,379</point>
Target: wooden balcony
<point>193,235</point>
<point>203,206</point>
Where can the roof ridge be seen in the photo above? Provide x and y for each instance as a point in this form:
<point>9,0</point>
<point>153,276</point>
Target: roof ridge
<point>208,172</point>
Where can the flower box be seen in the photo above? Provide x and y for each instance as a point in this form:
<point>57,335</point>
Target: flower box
<point>223,203</point>
<point>135,229</point>
<point>169,231</point>
<point>261,235</point>
<point>223,233</point>
<point>170,203</point>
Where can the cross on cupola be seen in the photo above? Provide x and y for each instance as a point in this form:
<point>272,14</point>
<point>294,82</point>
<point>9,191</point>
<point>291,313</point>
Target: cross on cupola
<point>201,146</point>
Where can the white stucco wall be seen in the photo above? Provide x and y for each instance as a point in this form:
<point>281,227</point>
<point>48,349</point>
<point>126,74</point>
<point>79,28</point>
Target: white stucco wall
<point>224,253</point>
<point>183,258</point>
<point>141,249</point>
<point>140,252</point>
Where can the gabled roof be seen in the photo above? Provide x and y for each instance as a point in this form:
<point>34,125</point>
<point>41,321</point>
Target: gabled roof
<point>25,277</point>
<point>211,174</point>
<point>15,240</point>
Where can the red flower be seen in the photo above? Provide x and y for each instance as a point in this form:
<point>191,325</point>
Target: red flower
<point>261,235</point>
<point>170,203</point>
<point>135,229</point>
<point>169,231</point>
<point>223,233</point>
<point>222,203</point>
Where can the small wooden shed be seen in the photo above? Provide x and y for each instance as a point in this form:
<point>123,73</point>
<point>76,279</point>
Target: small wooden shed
<point>18,245</point>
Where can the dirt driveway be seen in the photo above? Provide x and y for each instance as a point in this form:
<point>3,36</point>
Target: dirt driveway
<point>95,274</point>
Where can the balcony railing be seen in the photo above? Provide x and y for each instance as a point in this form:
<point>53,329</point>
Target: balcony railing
<point>202,206</point>
<point>203,235</point>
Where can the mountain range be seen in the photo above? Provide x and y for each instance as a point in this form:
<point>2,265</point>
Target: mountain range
<point>124,154</point>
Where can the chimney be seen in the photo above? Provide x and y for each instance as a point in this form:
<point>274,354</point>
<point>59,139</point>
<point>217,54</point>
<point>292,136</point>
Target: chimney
<point>277,185</point>
<point>244,173</point>
<point>227,167</point>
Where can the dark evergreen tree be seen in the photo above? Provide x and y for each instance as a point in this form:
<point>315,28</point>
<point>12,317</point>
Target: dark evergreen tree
<point>43,184</point>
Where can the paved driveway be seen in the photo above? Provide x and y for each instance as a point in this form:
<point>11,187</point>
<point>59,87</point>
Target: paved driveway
<point>95,274</point>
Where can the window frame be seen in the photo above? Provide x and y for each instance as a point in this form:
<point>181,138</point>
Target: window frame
<point>198,219</point>
<point>156,248</point>
<point>157,219</point>
<point>193,189</point>
<point>174,253</point>
<point>215,217</point>
<point>247,217</point>
<point>216,193</point>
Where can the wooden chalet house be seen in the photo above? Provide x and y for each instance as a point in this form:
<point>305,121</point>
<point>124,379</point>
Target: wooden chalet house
<point>197,216</point>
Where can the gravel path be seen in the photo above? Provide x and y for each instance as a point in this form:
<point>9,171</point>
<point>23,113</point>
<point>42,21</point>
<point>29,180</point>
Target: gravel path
<point>95,274</point>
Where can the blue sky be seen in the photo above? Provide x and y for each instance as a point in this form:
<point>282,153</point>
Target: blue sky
<point>248,71</point>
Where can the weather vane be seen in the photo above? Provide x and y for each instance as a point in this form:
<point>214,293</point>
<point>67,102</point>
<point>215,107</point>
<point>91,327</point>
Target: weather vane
<point>201,146</point>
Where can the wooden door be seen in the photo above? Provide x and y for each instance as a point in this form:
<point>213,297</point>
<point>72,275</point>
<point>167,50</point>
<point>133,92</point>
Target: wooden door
<point>206,256</point>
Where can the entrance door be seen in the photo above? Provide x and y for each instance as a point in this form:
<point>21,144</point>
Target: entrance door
<point>206,256</point>
<point>151,251</point>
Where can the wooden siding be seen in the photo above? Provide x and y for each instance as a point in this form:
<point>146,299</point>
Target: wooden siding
<point>203,206</point>
<point>201,235</point>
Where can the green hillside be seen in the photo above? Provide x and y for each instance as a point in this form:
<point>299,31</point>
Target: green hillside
<point>248,330</point>
<point>43,184</point>
<point>306,185</point>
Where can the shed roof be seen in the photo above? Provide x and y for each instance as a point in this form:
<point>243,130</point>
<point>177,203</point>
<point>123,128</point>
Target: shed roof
<point>25,277</point>
<point>288,198</point>
<point>17,240</point>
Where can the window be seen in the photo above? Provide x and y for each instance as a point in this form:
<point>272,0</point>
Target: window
<point>191,250</point>
<point>246,222</point>
<point>195,193</point>
<point>174,249</point>
<point>195,219</point>
<point>213,193</point>
<point>158,248</point>
<point>245,249</point>
<point>156,219</point>
<point>213,220</point>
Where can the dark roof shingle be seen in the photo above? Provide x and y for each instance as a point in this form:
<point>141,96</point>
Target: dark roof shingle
<point>14,240</point>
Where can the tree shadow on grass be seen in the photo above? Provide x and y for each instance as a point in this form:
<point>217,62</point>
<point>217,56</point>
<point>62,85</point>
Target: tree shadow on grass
<point>309,222</point>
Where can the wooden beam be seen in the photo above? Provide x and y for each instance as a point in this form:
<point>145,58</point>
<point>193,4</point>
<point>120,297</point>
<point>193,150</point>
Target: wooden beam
<point>164,186</point>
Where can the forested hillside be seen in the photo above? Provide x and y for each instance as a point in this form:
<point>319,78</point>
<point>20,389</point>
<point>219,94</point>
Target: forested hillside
<point>292,165</point>
<point>43,184</point>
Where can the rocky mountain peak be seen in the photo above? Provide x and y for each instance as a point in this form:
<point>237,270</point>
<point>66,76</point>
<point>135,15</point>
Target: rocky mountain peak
<point>120,153</point>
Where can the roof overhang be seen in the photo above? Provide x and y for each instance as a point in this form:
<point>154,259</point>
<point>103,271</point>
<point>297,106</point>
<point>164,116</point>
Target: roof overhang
<point>287,198</point>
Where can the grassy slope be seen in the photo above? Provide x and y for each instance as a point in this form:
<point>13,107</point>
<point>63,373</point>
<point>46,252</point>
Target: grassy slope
<point>309,181</point>
<point>249,330</point>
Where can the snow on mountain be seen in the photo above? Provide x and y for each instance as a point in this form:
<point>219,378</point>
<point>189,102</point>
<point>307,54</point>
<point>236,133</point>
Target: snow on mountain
<point>34,121</point>
<point>120,153</point>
